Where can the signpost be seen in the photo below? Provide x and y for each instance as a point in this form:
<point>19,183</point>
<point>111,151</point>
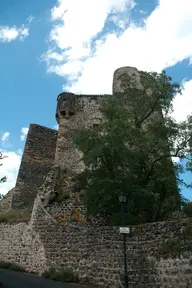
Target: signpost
<point>124,230</point>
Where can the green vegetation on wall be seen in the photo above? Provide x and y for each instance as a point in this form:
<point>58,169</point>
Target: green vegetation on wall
<point>172,246</point>
<point>15,216</point>
<point>60,274</point>
<point>130,151</point>
<point>11,266</point>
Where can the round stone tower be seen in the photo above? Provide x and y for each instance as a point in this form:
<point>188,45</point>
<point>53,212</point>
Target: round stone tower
<point>143,81</point>
<point>134,75</point>
<point>65,106</point>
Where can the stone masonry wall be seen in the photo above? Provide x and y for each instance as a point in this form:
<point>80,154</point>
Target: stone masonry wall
<point>6,202</point>
<point>37,159</point>
<point>96,253</point>
<point>22,246</point>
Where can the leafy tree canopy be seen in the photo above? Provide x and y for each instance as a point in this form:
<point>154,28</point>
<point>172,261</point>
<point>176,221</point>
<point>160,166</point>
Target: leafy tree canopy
<point>131,151</point>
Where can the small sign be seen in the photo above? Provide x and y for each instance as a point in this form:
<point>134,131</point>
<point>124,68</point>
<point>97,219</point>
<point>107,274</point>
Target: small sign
<point>124,230</point>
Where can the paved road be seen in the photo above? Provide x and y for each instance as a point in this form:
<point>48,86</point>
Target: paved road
<point>11,279</point>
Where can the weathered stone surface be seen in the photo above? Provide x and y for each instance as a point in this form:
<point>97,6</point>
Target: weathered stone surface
<point>6,202</point>
<point>21,245</point>
<point>37,159</point>
<point>96,253</point>
<point>86,115</point>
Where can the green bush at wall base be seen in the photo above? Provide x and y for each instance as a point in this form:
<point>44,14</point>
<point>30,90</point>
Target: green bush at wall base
<point>171,246</point>
<point>11,266</point>
<point>15,216</point>
<point>60,274</point>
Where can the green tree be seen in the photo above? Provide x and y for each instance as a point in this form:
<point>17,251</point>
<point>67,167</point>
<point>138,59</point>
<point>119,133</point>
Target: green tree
<point>131,151</point>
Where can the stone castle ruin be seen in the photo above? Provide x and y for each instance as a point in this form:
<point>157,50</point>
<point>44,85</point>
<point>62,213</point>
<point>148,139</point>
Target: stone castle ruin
<point>59,232</point>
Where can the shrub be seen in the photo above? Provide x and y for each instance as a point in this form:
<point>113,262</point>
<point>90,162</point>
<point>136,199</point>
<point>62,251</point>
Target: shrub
<point>116,219</point>
<point>1,284</point>
<point>15,216</point>
<point>62,194</point>
<point>171,246</point>
<point>82,194</point>
<point>60,274</point>
<point>187,209</point>
<point>187,232</point>
<point>11,266</point>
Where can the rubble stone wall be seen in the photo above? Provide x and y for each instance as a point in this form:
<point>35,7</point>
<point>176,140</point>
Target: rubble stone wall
<point>6,202</point>
<point>96,253</point>
<point>22,246</point>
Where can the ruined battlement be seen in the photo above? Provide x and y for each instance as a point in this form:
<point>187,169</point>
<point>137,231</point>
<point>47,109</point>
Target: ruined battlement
<point>36,162</point>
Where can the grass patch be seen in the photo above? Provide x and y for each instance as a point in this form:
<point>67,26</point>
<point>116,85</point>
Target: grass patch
<point>60,274</point>
<point>15,216</point>
<point>11,266</point>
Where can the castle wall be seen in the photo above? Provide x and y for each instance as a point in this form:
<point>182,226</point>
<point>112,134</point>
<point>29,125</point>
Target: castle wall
<point>22,246</point>
<point>96,253</point>
<point>93,251</point>
<point>6,202</point>
<point>37,159</point>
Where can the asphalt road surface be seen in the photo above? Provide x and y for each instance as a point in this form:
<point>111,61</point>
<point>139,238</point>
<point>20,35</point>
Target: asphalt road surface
<point>12,279</point>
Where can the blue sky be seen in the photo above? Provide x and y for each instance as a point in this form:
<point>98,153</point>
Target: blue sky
<point>49,46</point>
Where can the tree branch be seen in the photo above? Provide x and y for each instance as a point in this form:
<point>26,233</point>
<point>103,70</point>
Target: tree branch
<point>149,113</point>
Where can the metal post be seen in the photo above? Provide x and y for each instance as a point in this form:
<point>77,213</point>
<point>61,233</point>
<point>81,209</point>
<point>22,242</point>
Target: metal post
<point>124,248</point>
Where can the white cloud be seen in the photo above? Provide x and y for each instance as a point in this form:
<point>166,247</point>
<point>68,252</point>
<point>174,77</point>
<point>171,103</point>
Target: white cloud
<point>10,169</point>
<point>79,23</point>
<point>88,58</point>
<point>182,104</point>
<point>5,137</point>
<point>24,132</point>
<point>30,19</point>
<point>10,163</point>
<point>7,34</point>
<point>56,127</point>
<point>142,11</point>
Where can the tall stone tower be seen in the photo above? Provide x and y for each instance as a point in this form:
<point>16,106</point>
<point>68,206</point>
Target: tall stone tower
<point>144,81</point>
<point>74,111</point>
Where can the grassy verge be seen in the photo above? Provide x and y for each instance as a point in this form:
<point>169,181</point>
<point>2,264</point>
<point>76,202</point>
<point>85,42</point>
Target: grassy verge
<point>15,216</point>
<point>11,266</point>
<point>60,274</point>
